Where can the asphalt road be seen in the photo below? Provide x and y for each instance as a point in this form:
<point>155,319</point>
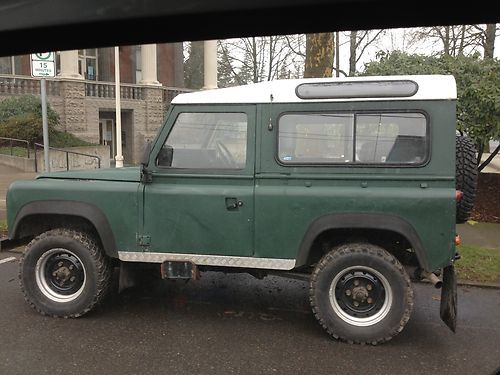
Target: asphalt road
<point>235,324</point>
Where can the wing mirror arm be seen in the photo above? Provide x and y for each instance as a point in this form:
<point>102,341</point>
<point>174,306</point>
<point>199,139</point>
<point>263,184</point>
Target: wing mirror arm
<point>146,176</point>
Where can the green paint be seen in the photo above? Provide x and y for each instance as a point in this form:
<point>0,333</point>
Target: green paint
<point>189,211</point>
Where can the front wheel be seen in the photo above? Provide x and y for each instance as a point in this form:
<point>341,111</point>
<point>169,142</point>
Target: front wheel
<point>64,273</point>
<point>361,294</point>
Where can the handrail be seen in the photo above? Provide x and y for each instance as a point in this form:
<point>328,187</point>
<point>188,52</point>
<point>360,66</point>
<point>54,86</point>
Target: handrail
<point>11,140</point>
<point>67,156</point>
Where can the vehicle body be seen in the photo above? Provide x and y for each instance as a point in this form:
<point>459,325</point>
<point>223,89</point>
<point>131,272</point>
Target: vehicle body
<point>349,182</point>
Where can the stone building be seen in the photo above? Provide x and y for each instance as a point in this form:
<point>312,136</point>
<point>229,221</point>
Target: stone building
<point>83,92</point>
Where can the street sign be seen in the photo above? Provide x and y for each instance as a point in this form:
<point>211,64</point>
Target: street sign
<point>43,64</point>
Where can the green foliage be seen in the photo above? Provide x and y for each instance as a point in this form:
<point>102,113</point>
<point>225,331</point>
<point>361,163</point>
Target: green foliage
<point>26,126</point>
<point>478,86</point>
<point>194,65</point>
<point>21,118</point>
<point>22,105</point>
<point>63,139</point>
<point>14,151</point>
<point>478,264</point>
<point>3,228</point>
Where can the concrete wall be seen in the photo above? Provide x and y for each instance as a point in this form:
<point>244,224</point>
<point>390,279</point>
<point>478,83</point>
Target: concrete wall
<point>58,158</point>
<point>23,164</point>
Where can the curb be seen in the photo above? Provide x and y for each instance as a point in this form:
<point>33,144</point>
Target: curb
<point>479,284</point>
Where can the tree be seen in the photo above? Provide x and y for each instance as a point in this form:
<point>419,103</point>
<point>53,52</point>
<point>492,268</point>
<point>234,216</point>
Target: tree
<point>359,41</point>
<point>257,59</point>
<point>462,39</point>
<point>319,55</point>
<point>193,66</point>
<point>489,41</point>
<point>478,88</point>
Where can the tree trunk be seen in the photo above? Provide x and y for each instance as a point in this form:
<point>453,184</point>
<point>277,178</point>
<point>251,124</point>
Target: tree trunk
<point>446,41</point>
<point>489,43</point>
<point>352,54</point>
<point>319,55</point>
<point>337,54</point>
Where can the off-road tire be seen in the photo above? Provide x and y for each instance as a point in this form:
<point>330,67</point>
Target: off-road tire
<point>466,174</point>
<point>83,247</point>
<point>349,258</point>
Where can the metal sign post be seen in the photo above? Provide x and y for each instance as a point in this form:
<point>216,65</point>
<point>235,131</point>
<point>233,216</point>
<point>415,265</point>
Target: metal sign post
<point>43,65</point>
<point>45,123</point>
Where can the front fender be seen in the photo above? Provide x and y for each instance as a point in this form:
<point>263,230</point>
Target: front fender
<point>83,210</point>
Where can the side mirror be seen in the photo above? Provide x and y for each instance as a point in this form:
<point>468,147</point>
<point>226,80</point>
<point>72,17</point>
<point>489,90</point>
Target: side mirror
<point>165,156</point>
<point>145,154</point>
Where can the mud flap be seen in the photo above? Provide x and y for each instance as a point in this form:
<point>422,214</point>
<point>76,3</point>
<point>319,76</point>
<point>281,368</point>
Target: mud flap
<point>448,308</point>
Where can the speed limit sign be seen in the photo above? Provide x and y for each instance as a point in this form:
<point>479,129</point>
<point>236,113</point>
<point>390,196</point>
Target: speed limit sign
<point>43,64</point>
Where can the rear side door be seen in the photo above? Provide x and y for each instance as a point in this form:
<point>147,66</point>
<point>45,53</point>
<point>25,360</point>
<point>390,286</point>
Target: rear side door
<point>201,201</point>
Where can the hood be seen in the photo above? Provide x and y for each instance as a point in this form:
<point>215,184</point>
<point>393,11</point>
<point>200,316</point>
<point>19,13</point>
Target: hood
<point>131,174</point>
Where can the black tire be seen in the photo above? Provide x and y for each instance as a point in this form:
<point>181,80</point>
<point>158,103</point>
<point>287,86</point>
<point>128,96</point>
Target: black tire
<point>64,273</point>
<point>356,268</point>
<point>465,177</point>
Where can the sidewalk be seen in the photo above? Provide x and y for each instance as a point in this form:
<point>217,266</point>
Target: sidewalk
<point>7,176</point>
<point>480,234</point>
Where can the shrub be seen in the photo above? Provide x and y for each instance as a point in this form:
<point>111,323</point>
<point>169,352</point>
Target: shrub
<point>26,126</point>
<point>21,118</point>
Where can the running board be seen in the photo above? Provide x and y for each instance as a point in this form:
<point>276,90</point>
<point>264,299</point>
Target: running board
<point>209,260</point>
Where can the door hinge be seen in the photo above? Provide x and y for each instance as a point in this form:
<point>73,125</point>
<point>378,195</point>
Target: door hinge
<point>143,240</point>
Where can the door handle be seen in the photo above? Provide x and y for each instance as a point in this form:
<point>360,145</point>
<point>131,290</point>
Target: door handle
<point>233,203</point>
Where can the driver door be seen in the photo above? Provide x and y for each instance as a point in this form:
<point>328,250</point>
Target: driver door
<point>201,199</point>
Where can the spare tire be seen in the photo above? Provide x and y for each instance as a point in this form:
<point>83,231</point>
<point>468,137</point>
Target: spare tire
<point>465,177</point>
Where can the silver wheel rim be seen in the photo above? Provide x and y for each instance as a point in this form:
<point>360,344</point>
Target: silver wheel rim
<point>43,284</point>
<point>355,320</point>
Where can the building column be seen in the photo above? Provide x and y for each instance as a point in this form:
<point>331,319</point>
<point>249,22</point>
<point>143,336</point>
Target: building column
<point>210,63</point>
<point>69,65</point>
<point>148,65</point>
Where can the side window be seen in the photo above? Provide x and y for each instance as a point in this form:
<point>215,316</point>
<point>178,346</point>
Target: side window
<point>393,138</point>
<point>315,138</point>
<point>340,138</point>
<point>206,140</point>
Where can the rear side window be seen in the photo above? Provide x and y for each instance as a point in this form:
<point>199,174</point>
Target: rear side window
<point>395,138</point>
<point>316,138</point>
<point>346,138</point>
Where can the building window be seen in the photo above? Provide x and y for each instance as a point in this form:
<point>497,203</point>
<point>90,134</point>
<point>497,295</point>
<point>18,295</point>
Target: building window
<point>138,64</point>
<point>87,63</point>
<point>6,65</point>
<point>10,65</point>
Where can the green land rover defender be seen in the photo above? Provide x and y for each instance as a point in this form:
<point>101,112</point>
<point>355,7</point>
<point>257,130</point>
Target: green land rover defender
<point>349,183</point>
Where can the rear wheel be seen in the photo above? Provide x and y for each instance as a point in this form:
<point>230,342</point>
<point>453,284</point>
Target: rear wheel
<point>64,273</point>
<point>361,294</point>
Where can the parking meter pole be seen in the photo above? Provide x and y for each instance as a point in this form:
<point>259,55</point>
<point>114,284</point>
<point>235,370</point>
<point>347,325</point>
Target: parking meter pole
<point>43,94</point>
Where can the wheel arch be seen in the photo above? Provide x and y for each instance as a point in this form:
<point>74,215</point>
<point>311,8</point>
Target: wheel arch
<point>361,221</point>
<point>58,209</point>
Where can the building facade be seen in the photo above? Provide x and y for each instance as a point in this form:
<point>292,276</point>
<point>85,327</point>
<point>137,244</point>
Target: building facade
<point>83,92</point>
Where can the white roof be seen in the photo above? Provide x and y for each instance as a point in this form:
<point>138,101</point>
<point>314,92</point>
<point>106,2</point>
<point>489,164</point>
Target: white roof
<point>430,87</point>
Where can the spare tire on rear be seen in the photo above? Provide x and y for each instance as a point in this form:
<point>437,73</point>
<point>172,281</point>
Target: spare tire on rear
<point>465,177</point>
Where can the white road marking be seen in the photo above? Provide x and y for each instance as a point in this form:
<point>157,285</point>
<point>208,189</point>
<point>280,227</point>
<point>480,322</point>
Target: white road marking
<point>6,260</point>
